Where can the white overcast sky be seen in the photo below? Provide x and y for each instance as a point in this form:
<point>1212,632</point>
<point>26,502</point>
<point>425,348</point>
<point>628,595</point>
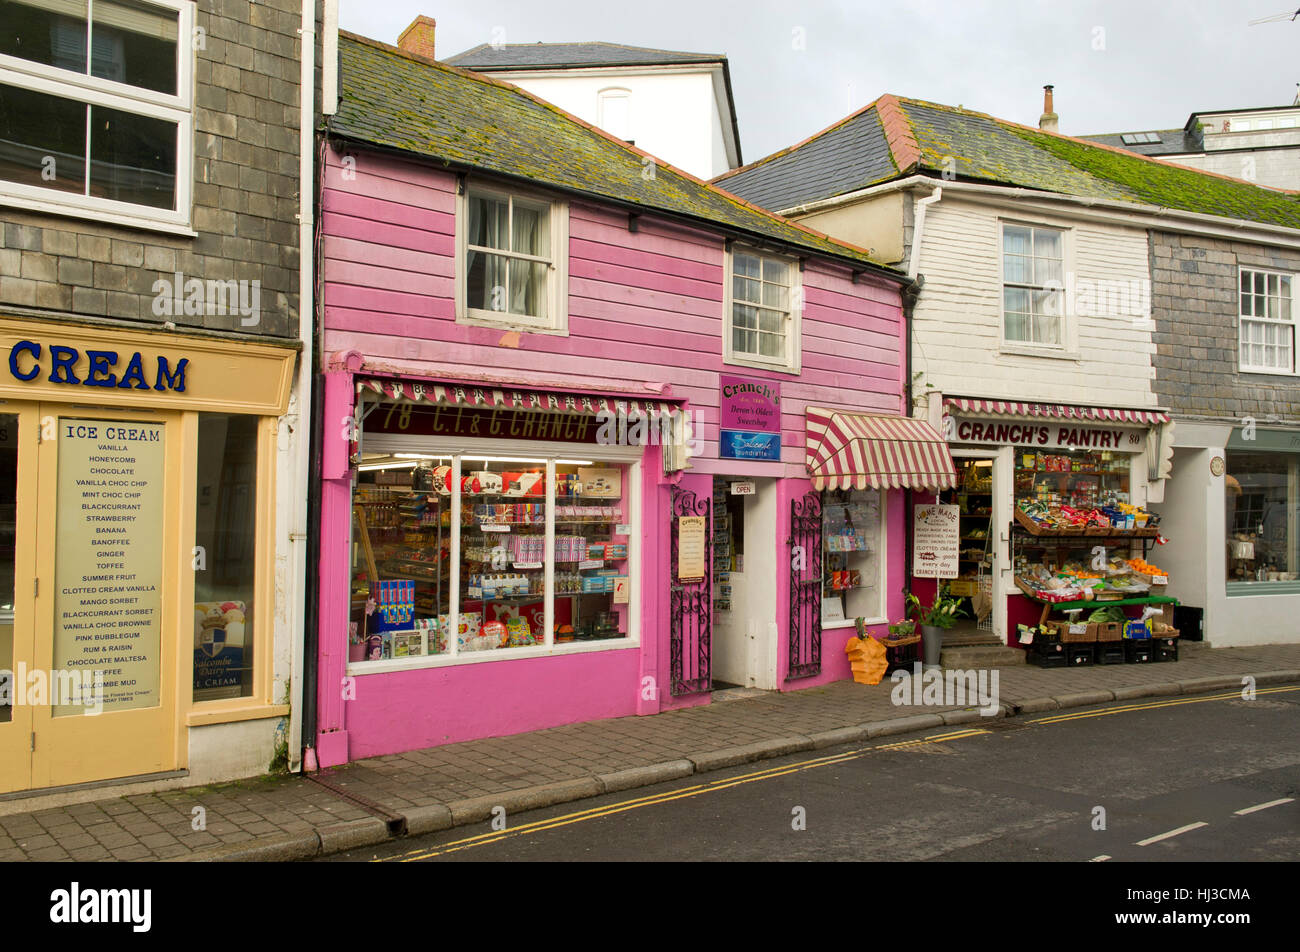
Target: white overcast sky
<point>1117,66</point>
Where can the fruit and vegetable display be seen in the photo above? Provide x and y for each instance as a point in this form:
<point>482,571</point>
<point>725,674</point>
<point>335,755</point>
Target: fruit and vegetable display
<point>1074,581</point>
<point>1038,516</point>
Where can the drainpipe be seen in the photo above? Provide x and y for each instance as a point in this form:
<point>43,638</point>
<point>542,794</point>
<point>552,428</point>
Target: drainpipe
<point>300,421</point>
<point>910,294</point>
<point>914,259</point>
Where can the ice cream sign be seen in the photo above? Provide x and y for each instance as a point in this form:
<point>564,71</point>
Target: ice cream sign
<point>749,418</point>
<point>61,364</point>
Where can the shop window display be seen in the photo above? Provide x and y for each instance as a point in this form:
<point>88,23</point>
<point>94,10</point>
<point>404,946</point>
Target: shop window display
<point>404,602</point>
<point>1070,504</point>
<point>8,551</point>
<point>1262,507</point>
<point>225,534</point>
<point>851,545</point>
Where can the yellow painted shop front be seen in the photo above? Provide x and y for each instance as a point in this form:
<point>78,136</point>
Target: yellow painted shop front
<point>136,545</point>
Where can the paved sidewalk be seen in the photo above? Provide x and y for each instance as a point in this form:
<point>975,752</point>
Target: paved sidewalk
<point>281,818</point>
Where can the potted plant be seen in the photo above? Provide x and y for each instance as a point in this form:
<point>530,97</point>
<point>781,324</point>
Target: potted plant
<point>902,629</point>
<point>935,619</point>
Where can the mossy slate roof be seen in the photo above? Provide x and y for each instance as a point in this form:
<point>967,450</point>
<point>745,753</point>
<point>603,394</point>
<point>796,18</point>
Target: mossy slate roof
<point>395,100</point>
<point>980,148</point>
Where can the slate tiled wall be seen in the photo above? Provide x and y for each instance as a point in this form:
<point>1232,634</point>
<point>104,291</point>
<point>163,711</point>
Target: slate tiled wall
<point>244,204</point>
<point>1194,301</point>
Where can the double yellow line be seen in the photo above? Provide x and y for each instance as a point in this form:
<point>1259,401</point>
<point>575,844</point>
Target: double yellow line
<point>595,813</point>
<point>1152,705</point>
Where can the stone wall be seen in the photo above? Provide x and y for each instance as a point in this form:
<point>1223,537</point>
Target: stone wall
<point>245,199</point>
<point>1194,301</point>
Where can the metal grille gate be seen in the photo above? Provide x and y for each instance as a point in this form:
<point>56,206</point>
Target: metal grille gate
<point>805,551</point>
<point>691,603</point>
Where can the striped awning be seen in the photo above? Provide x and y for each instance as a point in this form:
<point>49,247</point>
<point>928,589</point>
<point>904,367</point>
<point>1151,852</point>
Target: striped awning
<point>1054,410</point>
<point>510,399</point>
<point>847,450</point>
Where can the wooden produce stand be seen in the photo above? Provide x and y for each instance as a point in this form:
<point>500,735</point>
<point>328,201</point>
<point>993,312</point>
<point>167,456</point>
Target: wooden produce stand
<point>1048,607</point>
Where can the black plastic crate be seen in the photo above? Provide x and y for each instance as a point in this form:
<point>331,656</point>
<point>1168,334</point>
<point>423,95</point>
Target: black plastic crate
<point>1138,651</point>
<point>1079,655</point>
<point>1164,649</point>
<point>1111,652</point>
<point>1052,659</point>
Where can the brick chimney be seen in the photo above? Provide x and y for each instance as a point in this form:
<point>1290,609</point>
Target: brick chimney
<point>1048,120</point>
<point>418,37</point>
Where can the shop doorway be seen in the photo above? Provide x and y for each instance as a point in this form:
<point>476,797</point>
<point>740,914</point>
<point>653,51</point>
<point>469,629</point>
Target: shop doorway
<point>90,587</point>
<point>974,495</point>
<point>744,583</point>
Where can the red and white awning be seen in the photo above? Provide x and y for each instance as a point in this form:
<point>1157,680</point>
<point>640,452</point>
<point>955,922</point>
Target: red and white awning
<point>1054,410</point>
<point>847,450</point>
<point>509,399</point>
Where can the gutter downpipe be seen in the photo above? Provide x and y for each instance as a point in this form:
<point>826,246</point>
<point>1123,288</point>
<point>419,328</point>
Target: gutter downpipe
<point>910,295</point>
<point>296,599</point>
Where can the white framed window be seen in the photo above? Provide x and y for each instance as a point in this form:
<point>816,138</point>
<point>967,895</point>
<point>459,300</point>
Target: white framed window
<point>1267,314</point>
<point>762,311</point>
<point>512,260</point>
<point>853,567</point>
<point>96,109</point>
<point>614,112</point>
<point>1033,285</point>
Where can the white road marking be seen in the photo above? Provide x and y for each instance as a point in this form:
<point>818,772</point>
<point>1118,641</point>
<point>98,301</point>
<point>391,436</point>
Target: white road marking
<point>1099,859</point>
<point>1164,836</point>
<point>1264,806</point>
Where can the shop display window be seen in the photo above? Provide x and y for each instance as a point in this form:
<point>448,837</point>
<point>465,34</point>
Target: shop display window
<point>517,553</point>
<point>8,537</point>
<point>1262,507</point>
<point>851,555</point>
<point>1081,479</point>
<point>225,556</point>
<point>1083,496</point>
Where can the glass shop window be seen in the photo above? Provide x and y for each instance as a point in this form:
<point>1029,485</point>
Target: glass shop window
<point>405,539</point>
<point>851,551</point>
<point>225,556</point>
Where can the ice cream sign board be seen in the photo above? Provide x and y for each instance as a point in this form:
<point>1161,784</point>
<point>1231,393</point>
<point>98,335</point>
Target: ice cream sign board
<point>749,418</point>
<point>108,562</point>
<point>30,361</point>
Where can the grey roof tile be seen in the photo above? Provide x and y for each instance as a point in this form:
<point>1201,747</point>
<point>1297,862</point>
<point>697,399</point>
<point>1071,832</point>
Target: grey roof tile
<point>850,156</point>
<point>540,55</point>
<point>1172,142</point>
<point>393,100</point>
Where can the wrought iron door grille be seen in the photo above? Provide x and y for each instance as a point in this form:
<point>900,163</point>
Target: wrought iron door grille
<point>691,603</point>
<point>805,552</point>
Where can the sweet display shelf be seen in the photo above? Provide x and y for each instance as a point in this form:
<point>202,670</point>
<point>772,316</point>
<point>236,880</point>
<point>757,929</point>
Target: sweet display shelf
<point>540,525</point>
